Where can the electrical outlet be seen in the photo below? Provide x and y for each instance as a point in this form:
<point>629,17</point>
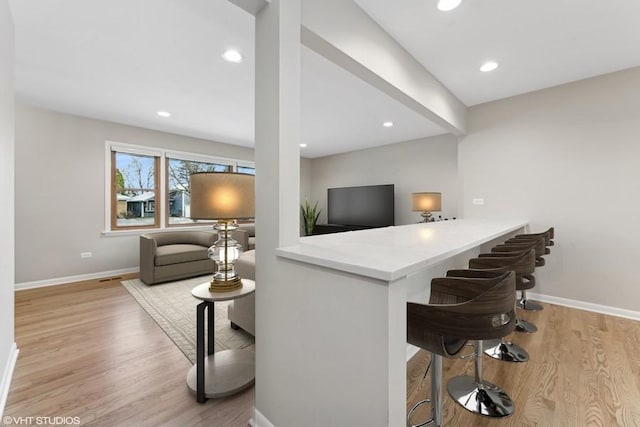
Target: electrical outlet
<point>478,201</point>
<point>86,254</point>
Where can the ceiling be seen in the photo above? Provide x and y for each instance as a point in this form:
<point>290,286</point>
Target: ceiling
<point>538,43</point>
<point>124,60</point>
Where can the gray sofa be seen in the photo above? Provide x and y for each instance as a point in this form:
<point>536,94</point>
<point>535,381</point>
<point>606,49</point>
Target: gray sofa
<point>242,311</point>
<point>173,255</point>
<point>246,236</point>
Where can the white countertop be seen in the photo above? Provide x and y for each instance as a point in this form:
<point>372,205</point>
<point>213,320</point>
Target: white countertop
<point>391,253</point>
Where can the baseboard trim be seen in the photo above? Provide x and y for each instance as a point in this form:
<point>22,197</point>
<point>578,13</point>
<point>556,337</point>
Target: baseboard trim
<point>259,420</point>
<point>587,306</point>
<point>71,279</point>
<point>6,377</point>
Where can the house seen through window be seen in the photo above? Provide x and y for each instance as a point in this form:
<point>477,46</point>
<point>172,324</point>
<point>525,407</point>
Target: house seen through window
<point>178,185</point>
<point>138,200</point>
<point>136,188</point>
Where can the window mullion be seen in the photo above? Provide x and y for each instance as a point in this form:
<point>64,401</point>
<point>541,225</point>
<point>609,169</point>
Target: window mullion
<point>163,197</point>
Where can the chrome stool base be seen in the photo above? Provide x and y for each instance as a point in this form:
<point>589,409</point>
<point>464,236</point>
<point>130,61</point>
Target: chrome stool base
<point>525,327</point>
<point>527,304</point>
<point>506,351</point>
<point>482,398</point>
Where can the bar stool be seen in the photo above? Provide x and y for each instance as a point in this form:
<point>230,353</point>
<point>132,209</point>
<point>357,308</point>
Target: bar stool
<point>517,246</point>
<point>463,309</point>
<point>523,264</point>
<point>498,349</point>
<point>525,303</point>
<point>548,235</point>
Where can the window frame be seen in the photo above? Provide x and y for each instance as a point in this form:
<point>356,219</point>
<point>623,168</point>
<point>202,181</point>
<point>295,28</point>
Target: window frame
<point>161,182</point>
<point>113,193</point>
<point>189,157</point>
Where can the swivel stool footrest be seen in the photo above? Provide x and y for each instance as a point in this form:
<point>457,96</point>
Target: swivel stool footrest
<point>479,396</point>
<point>506,351</point>
<point>436,395</point>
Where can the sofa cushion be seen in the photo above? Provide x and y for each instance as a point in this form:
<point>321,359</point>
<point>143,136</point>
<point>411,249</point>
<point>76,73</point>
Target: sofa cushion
<point>249,228</point>
<point>190,237</point>
<point>246,265</point>
<point>174,254</point>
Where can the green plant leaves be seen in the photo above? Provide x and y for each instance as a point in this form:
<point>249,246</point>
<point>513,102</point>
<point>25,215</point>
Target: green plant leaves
<point>310,215</point>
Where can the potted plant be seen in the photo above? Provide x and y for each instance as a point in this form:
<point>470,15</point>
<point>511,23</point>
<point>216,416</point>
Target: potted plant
<point>310,215</point>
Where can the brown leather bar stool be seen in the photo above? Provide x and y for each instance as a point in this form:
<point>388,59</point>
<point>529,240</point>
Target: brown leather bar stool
<point>523,263</point>
<point>462,309</point>
<point>525,303</point>
<point>516,245</point>
<point>548,235</point>
<point>500,349</point>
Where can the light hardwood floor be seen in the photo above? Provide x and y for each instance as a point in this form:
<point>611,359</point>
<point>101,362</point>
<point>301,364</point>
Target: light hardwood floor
<point>584,370</point>
<point>88,350</point>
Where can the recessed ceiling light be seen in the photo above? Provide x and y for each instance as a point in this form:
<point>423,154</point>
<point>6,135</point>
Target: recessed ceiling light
<point>303,145</point>
<point>446,5</point>
<point>387,124</point>
<point>232,55</point>
<point>489,66</point>
<point>164,114</point>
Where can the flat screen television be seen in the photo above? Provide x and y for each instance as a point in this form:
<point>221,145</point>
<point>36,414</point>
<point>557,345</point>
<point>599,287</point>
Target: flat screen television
<point>368,206</point>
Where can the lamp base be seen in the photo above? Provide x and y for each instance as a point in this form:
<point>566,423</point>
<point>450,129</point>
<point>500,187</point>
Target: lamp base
<point>426,216</point>
<point>225,285</point>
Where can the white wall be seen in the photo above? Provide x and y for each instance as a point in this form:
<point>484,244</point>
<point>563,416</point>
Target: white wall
<point>305,179</point>
<point>428,164</point>
<point>6,189</point>
<point>567,157</point>
<point>60,163</point>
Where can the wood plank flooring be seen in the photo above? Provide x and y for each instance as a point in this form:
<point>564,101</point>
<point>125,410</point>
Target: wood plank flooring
<point>89,350</point>
<point>584,370</point>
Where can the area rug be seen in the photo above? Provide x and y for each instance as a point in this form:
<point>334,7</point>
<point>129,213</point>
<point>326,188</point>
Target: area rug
<point>173,308</point>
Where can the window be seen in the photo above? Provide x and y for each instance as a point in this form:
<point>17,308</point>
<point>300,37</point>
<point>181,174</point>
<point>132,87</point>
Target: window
<point>247,169</point>
<point>149,187</point>
<point>178,172</point>
<point>135,188</point>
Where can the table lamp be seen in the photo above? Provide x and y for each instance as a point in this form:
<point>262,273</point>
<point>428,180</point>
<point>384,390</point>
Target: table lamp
<point>426,203</point>
<point>225,197</point>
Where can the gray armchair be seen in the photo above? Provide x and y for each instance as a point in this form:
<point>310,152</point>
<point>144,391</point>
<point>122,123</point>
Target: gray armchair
<point>173,255</point>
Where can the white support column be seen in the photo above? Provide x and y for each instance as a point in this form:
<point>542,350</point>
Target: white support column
<point>8,350</point>
<point>277,157</point>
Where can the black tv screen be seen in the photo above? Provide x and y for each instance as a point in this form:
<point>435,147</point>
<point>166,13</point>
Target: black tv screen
<point>369,206</point>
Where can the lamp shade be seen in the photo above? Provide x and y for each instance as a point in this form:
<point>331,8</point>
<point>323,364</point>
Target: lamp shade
<point>426,202</point>
<point>222,195</point>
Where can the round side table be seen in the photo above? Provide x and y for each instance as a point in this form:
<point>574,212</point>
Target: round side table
<point>225,372</point>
